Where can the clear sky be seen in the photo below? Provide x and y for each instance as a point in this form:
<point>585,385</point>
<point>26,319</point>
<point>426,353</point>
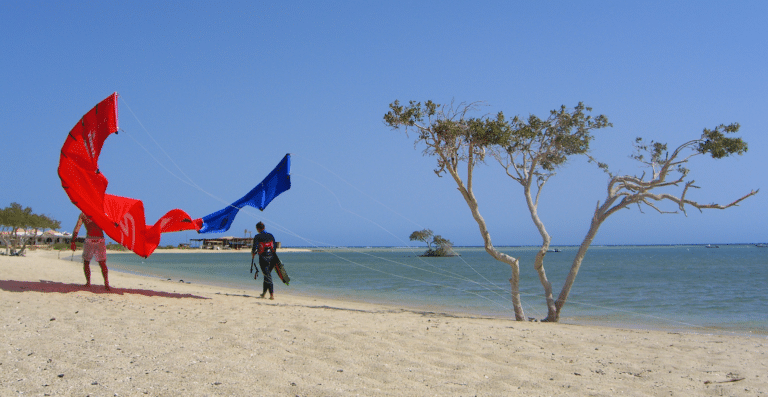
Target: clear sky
<point>214,94</point>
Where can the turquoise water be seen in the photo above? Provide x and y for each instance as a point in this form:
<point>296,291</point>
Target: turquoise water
<point>676,288</point>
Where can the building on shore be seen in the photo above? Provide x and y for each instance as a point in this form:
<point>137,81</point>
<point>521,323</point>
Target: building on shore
<point>51,237</point>
<point>41,238</point>
<point>224,243</point>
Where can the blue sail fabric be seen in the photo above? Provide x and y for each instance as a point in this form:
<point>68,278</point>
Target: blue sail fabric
<point>278,181</point>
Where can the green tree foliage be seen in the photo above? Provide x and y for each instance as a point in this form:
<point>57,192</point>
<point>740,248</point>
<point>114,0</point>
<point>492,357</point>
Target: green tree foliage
<point>443,246</point>
<point>448,132</point>
<point>459,142</point>
<point>15,217</point>
<point>425,236</point>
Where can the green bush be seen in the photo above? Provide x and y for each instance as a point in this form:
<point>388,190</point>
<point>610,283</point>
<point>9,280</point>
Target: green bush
<point>62,246</point>
<point>116,247</point>
<point>66,247</point>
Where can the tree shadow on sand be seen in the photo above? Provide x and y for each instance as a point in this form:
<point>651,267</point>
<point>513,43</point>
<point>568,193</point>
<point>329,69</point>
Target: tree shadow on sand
<point>53,286</point>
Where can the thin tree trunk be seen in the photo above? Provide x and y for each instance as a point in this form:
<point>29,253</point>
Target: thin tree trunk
<point>7,246</point>
<point>14,241</point>
<point>23,247</point>
<point>513,263</point>
<point>597,220</point>
<point>539,262</point>
<point>27,239</point>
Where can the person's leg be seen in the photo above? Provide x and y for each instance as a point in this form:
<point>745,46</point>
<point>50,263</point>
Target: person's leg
<point>271,286</point>
<point>271,291</point>
<point>267,270</point>
<point>268,286</point>
<point>267,277</point>
<point>87,256</point>
<point>87,270</point>
<point>104,272</point>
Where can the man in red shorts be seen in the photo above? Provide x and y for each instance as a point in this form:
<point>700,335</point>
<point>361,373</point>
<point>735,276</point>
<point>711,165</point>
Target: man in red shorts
<point>94,248</point>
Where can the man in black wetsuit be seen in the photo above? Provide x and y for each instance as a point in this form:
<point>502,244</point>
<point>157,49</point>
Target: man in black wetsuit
<point>264,245</point>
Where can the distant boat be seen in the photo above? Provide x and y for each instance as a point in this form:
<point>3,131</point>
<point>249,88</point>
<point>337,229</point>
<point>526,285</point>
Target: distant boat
<point>554,250</point>
<point>712,246</point>
<point>761,245</point>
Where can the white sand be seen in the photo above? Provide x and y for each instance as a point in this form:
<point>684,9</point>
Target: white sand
<point>154,337</point>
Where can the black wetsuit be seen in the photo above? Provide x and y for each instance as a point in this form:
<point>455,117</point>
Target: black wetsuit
<point>267,257</point>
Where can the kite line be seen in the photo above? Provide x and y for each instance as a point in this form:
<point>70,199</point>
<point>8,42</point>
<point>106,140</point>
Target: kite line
<point>488,285</point>
<point>500,292</point>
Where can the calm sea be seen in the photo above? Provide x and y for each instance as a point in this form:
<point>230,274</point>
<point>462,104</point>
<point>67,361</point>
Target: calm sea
<point>676,288</point>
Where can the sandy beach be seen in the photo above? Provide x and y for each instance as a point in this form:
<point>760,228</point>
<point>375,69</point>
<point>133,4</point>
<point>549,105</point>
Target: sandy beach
<point>166,338</point>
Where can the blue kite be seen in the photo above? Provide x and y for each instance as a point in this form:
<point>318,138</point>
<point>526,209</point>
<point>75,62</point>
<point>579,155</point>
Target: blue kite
<point>278,181</point>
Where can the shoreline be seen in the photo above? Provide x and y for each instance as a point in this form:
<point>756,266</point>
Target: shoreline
<point>201,251</point>
<point>163,337</point>
<point>640,322</point>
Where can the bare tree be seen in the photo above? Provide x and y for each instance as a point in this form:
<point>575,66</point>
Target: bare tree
<point>532,153</point>
<point>626,190</point>
<point>455,139</point>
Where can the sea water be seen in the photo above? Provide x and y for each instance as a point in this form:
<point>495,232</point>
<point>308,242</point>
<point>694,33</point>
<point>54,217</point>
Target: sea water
<point>677,288</point>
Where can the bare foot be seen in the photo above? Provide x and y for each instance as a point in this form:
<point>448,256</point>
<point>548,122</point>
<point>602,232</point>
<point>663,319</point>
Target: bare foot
<point>262,295</point>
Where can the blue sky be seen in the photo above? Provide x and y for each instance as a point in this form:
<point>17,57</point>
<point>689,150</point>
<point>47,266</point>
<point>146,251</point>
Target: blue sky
<point>213,94</point>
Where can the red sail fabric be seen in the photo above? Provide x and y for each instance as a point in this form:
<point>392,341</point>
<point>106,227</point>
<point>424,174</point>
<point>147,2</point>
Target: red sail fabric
<point>121,218</point>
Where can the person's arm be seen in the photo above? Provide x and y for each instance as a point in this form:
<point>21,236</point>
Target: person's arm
<point>77,229</point>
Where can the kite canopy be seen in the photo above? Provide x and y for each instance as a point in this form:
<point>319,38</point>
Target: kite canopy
<point>278,181</point>
<point>121,218</point>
